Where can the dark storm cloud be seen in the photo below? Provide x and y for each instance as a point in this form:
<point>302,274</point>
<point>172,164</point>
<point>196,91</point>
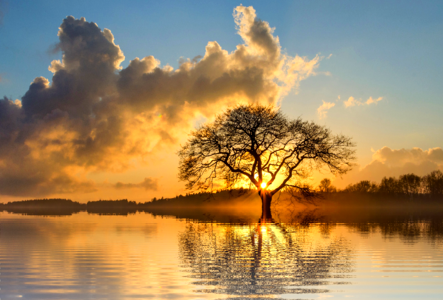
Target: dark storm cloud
<point>9,121</point>
<point>96,116</point>
<point>86,73</point>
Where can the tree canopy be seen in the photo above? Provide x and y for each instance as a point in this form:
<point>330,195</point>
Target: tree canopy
<point>260,145</point>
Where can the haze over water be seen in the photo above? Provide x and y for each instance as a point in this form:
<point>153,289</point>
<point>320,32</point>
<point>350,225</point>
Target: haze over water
<point>140,256</point>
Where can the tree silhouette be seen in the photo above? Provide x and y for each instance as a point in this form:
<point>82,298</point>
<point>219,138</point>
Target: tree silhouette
<point>389,186</point>
<point>410,184</point>
<point>259,145</point>
<point>433,183</point>
<point>364,186</point>
<point>326,186</point>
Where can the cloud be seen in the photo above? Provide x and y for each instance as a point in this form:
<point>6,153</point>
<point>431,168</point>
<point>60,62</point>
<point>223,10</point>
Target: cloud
<point>323,109</point>
<point>370,100</point>
<point>396,158</point>
<point>147,184</point>
<point>95,116</point>
<point>353,102</point>
<point>395,162</point>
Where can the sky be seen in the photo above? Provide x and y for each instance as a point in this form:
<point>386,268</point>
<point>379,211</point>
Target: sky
<point>98,96</point>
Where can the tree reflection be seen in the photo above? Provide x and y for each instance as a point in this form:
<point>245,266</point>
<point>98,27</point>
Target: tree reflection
<point>262,259</point>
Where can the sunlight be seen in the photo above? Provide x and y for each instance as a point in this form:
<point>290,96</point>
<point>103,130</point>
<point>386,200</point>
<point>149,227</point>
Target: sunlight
<point>263,229</point>
<point>263,185</point>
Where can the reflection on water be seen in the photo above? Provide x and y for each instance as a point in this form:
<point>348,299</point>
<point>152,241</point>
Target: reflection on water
<point>262,259</point>
<point>370,255</point>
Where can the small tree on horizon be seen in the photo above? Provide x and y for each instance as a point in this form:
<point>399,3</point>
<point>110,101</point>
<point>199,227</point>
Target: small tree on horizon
<point>326,186</point>
<point>257,144</point>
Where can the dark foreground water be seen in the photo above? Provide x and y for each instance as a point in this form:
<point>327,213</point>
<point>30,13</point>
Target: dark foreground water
<point>140,256</point>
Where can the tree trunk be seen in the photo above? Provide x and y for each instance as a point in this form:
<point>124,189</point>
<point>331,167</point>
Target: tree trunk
<point>266,199</point>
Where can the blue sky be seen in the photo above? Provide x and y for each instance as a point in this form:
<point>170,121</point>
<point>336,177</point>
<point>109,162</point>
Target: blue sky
<point>389,49</point>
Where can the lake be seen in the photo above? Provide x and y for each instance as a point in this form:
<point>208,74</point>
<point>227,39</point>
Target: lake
<point>142,256</point>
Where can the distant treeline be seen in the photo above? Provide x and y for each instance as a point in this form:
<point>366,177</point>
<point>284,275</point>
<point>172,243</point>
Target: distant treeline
<point>391,190</point>
<point>124,207</point>
<point>408,184</point>
<point>68,207</point>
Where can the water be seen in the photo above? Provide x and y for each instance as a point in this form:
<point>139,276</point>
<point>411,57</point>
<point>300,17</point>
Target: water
<point>86,256</point>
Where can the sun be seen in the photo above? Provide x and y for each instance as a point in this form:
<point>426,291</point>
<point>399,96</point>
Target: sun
<point>263,185</point>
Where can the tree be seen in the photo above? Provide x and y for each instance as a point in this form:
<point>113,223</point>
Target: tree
<point>258,145</point>
<point>389,186</point>
<point>433,183</point>
<point>410,184</point>
<point>326,186</point>
<point>364,186</point>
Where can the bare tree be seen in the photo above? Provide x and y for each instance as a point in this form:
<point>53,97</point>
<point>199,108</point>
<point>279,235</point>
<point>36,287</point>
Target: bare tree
<point>258,145</point>
<point>433,183</point>
<point>326,186</point>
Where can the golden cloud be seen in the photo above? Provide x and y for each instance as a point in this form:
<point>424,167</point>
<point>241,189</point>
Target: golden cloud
<point>396,162</point>
<point>97,116</point>
<point>323,109</point>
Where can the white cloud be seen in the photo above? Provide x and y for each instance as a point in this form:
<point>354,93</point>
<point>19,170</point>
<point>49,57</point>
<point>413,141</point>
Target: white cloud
<point>370,100</point>
<point>353,102</point>
<point>323,109</point>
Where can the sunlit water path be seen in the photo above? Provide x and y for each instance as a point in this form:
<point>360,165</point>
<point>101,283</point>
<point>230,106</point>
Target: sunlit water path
<point>140,256</point>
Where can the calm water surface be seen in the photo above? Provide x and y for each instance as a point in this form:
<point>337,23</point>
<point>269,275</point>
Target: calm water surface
<point>140,256</point>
